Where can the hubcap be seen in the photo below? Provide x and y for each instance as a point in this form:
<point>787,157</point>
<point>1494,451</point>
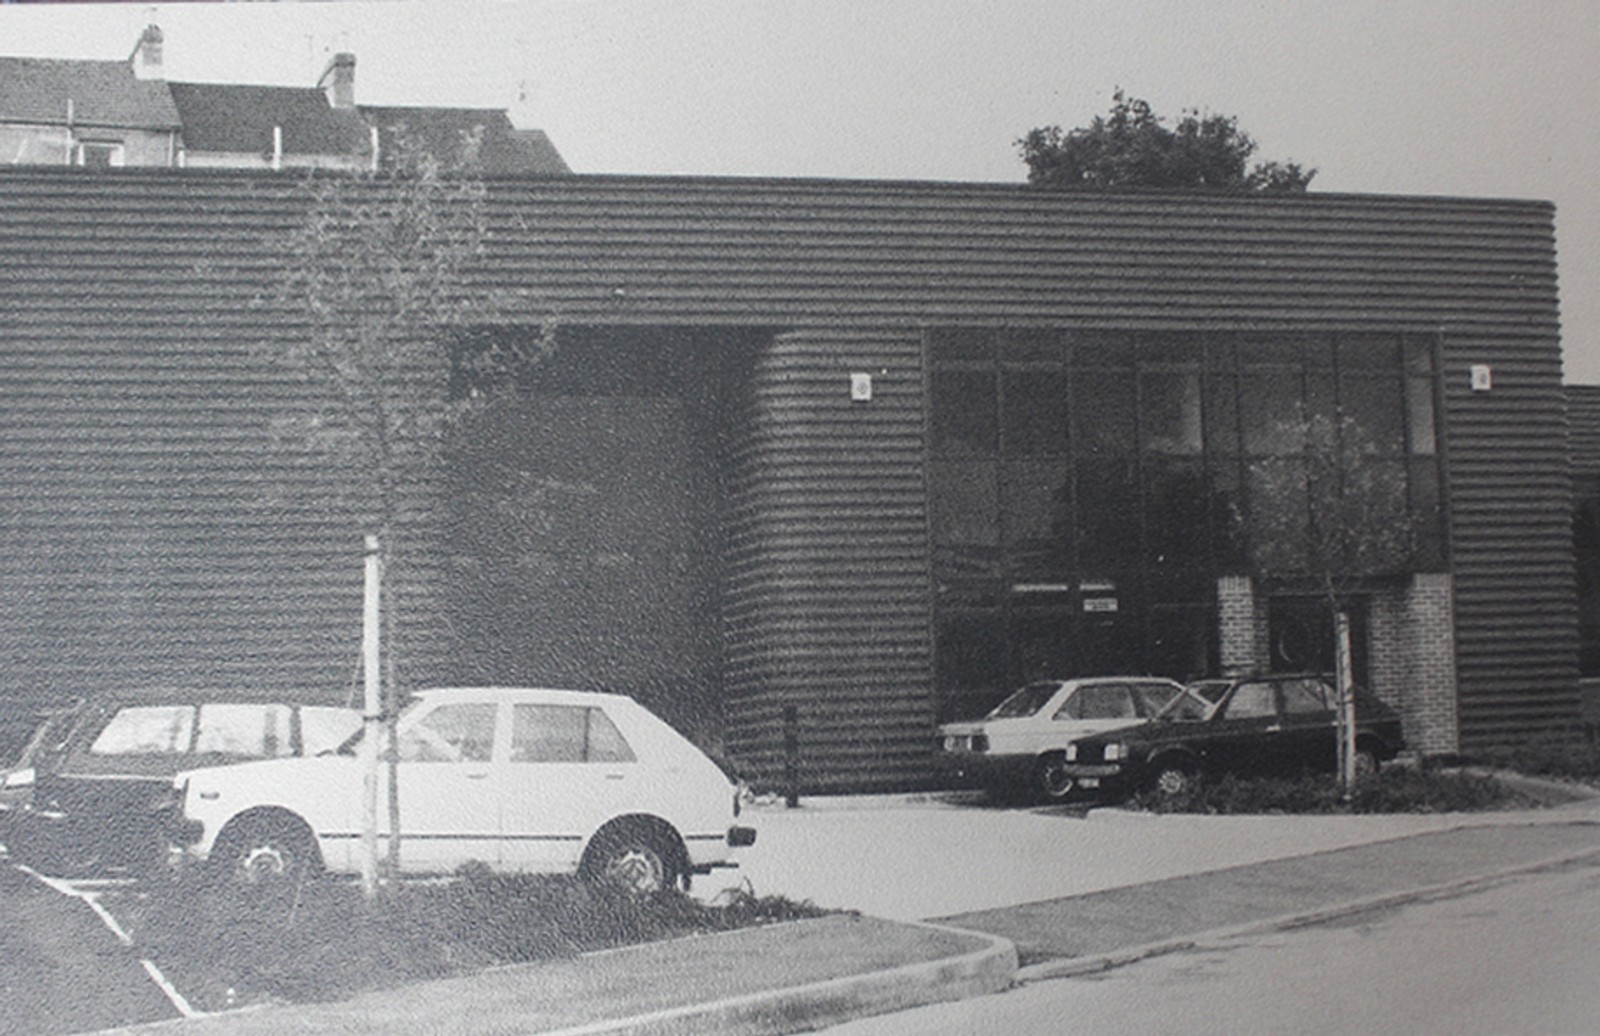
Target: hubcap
<point>638,871</point>
<point>1055,780</point>
<point>263,863</point>
<point>1173,782</point>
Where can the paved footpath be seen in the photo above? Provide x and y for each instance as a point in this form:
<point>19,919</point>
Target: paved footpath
<point>803,976</point>
<point>1056,936</point>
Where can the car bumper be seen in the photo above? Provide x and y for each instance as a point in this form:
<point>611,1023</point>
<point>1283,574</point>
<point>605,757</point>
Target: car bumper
<point>987,769</point>
<point>1098,776</point>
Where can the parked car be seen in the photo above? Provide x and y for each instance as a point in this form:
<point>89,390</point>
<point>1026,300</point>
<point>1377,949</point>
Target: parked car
<point>27,730</point>
<point>520,780</point>
<point>95,789</point>
<point>1022,742</point>
<point>1259,725</point>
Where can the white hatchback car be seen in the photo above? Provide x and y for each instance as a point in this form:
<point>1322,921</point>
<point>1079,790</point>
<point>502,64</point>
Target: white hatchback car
<point>1022,742</point>
<point>520,780</point>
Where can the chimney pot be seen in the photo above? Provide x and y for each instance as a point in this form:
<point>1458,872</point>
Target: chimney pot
<point>339,81</point>
<point>146,56</point>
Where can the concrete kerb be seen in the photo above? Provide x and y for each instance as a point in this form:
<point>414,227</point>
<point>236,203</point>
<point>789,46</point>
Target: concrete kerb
<point>990,969</point>
<point>1096,963</point>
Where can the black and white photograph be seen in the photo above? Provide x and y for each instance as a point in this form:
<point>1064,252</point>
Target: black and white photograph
<point>752,517</point>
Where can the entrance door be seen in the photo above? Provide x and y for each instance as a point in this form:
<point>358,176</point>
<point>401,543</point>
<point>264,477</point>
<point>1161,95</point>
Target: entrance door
<point>1300,630</point>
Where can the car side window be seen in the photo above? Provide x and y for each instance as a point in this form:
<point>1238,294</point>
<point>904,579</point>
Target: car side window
<point>1100,701</point>
<point>461,733</point>
<point>1303,697</point>
<point>259,731</point>
<point>565,734</point>
<point>146,730</point>
<point>1252,701</point>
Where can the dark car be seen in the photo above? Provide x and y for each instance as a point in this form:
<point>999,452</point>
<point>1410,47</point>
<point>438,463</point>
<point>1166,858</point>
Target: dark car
<point>98,793</point>
<point>28,729</point>
<point>1257,725</point>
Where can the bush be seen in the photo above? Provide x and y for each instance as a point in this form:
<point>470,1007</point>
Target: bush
<point>1573,757</point>
<point>1395,790</point>
<point>322,942</point>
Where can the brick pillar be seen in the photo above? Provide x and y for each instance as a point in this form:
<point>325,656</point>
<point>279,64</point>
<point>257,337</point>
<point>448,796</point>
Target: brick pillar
<point>1412,659</point>
<point>1240,630</point>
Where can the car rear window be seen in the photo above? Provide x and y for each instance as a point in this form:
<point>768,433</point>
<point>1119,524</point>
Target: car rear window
<point>146,730</point>
<point>1099,701</point>
<point>1305,696</point>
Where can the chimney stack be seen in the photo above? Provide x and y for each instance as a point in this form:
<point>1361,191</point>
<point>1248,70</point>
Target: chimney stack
<point>339,81</point>
<point>146,56</point>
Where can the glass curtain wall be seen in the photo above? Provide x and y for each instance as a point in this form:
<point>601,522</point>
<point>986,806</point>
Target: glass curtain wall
<point>1088,488</point>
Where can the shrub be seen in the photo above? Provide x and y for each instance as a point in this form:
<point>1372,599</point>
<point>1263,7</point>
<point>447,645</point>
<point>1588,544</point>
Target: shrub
<point>1395,790</point>
<point>322,942</point>
<point>1573,756</point>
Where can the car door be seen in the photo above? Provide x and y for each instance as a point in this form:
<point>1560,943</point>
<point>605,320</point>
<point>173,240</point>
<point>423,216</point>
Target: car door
<point>1243,735</point>
<point>449,791</point>
<point>1310,724</point>
<point>569,771</point>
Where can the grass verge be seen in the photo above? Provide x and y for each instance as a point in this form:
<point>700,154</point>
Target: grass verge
<point>225,947</point>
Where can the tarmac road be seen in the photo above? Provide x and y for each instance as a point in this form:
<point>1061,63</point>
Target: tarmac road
<point>62,970</point>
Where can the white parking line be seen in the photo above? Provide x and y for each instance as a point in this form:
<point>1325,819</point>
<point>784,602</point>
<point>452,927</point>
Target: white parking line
<point>67,889</point>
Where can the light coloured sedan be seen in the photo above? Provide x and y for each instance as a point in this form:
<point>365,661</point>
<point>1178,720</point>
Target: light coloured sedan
<point>519,780</point>
<point>1022,742</point>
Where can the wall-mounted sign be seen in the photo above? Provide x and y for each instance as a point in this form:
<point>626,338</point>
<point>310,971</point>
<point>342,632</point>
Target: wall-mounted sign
<point>1099,604</point>
<point>861,388</point>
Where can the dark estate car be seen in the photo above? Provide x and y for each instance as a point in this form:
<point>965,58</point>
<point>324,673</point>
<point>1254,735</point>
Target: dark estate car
<point>96,791</point>
<point>28,729</point>
<point>1256,725</point>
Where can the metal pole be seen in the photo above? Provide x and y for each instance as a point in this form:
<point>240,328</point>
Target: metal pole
<point>372,715</point>
<point>1347,704</point>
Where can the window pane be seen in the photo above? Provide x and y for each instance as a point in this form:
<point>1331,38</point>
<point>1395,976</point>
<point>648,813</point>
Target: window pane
<point>965,504</point>
<point>1104,701</point>
<point>961,346</point>
<point>261,731</point>
<point>1419,416</point>
<point>606,743</point>
<point>324,728</point>
<point>1033,347</point>
<point>969,662</point>
<point>1102,407</point>
<point>1279,515</point>
<point>1252,701</point>
<point>1374,406</point>
<point>1271,412</point>
<point>147,730</point>
<point>1169,414</point>
<point>1034,412</point>
<point>1113,349</point>
<point>1221,415</point>
<point>1371,351</point>
<point>548,733</point>
<point>963,412</point>
<point>451,734</point>
<point>1038,503</point>
<point>1427,512</point>
<point>1107,517</point>
<point>1301,697</point>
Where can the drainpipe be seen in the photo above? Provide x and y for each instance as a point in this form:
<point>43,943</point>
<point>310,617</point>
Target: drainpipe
<point>277,148</point>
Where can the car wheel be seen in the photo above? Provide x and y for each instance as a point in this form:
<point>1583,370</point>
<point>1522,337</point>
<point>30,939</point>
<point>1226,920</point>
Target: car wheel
<point>634,860</point>
<point>1051,780</point>
<point>1366,762</point>
<point>1174,779</point>
<point>265,853</point>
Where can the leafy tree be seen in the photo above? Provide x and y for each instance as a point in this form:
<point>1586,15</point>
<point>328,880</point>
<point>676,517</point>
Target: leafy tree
<point>1330,511</point>
<point>1131,147</point>
<point>376,278</point>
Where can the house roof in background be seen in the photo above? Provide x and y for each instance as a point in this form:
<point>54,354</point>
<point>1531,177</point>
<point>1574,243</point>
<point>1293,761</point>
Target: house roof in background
<point>240,118</point>
<point>103,93</point>
<point>443,131</point>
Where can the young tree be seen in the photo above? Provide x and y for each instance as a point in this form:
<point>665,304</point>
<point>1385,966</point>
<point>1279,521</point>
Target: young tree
<point>376,279</point>
<point>1131,147</point>
<point>1330,510</point>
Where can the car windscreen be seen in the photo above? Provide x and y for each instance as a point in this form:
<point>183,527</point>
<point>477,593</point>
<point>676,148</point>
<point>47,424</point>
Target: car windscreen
<point>1025,702</point>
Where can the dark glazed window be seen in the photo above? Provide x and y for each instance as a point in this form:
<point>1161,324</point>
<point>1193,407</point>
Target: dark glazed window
<point>964,412</point>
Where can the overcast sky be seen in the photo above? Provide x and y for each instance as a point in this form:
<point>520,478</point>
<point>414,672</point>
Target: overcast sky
<point>1391,96</point>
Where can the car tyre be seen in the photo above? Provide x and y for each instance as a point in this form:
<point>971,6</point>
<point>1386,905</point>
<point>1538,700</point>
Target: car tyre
<point>1366,762</point>
<point>265,853</point>
<point>1051,780</point>
<point>633,859</point>
<point>1174,779</point>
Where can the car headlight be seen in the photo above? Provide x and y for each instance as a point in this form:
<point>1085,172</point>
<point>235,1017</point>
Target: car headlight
<point>22,778</point>
<point>1116,751</point>
<point>1072,751</point>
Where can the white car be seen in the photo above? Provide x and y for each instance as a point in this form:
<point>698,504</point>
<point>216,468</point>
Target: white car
<point>1022,742</point>
<point>520,780</point>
